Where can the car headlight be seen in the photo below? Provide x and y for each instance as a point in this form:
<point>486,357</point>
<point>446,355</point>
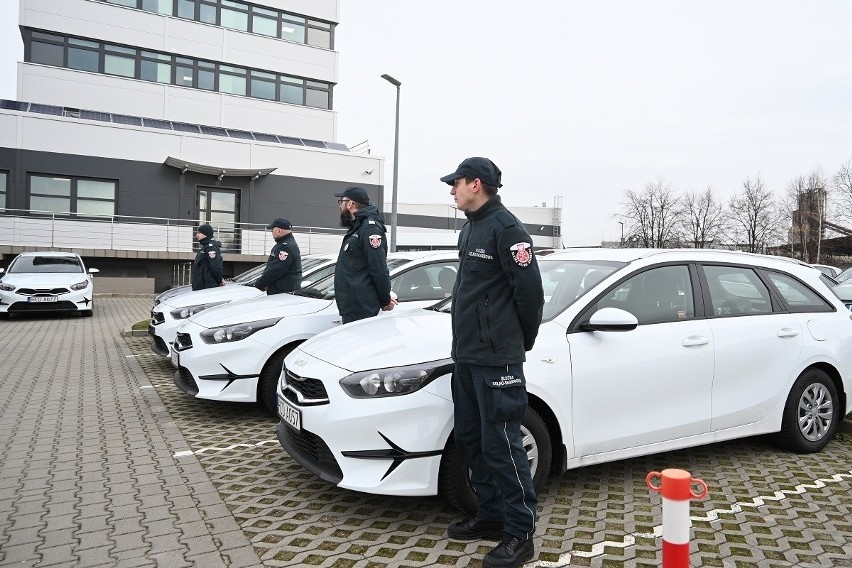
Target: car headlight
<point>394,381</point>
<point>235,332</point>
<point>189,311</point>
<point>80,285</point>
<point>6,287</point>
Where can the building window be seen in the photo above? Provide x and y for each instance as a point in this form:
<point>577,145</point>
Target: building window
<point>124,61</point>
<point>244,17</point>
<point>4,180</point>
<point>60,194</point>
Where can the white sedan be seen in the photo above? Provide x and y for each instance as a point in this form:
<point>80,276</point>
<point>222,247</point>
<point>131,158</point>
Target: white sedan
<point>639,351</point>
<point>46,282</point>
<point>169,312</point>
<point>234,352</point>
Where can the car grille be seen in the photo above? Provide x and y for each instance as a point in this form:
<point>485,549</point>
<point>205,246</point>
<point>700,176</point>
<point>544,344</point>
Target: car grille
<point>19,307</point>
<point>185,381</point>
<point>302,390</point>
<point>183,341</point>
<point>159,347</point>
<point>309,450</point>
<point>42,291</point>
<point>157,317</point>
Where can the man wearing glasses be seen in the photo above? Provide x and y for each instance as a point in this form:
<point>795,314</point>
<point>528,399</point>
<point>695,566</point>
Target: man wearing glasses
<point>361,279</point>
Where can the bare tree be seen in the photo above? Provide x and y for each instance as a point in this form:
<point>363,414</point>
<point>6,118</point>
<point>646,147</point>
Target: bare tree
<point>651,215</point>
<point>753,218</point>
<point>701,217</point>
<point>842,184</point>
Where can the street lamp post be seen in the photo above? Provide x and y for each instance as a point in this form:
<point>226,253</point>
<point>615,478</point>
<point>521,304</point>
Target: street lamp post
<point>622,233</point>
<point>396,84</point>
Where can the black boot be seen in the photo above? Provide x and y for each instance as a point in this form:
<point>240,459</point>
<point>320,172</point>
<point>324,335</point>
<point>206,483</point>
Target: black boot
<point>512,551</point>
<point>476,529</point>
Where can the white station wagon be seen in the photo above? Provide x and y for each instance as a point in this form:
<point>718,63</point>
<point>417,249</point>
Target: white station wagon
<point>639,351</point>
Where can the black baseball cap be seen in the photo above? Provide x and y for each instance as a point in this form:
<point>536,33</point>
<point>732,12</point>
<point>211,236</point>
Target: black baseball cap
<point>356,194</point>
<point>482,168</point>
<point>281,223</point>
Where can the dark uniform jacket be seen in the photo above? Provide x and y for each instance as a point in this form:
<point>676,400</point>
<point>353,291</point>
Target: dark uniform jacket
<point>207,266</point>
<point>498,295</point>
<point>283,272</point>
<point>361,280</point>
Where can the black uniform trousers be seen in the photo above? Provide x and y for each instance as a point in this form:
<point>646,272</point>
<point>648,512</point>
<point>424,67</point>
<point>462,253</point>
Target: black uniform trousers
<point>489,404</point>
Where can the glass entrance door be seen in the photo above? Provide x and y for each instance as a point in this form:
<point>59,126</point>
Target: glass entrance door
<point>221,208</point>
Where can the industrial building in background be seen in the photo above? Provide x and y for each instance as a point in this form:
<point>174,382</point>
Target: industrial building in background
<point>135,120</point>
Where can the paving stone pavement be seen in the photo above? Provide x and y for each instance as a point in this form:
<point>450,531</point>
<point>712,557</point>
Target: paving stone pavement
<point>134,473</point>
<point>88,475</point>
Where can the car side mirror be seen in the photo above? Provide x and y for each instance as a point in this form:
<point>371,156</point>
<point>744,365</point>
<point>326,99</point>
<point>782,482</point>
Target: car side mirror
<point>93,270</point>
<point>2,270</point>
<point>610,319</point>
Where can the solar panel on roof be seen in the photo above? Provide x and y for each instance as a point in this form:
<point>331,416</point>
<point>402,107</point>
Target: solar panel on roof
<point>13,105</point>
<point>289,140</point>
<point>336,146</point>
<point>94,115</point>
<point>313,143</point>
<point>265,137</point>
<point>240,134</point>
<point>212,130</point>
<point>154,123</point>
<point>46,109</point>
<point>124,119</point>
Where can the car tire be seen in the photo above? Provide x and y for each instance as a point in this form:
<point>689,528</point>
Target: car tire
<point>811,413</point>
<point>267,384</point>
<point>454,478</point>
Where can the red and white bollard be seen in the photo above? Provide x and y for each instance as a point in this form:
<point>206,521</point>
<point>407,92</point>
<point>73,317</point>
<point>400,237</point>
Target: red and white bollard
<point>675,485</point>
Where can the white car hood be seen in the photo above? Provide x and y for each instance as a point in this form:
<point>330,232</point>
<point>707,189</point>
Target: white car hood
<point>226,293</point>
<point>261,308</point>
<point>44,280</point>
<point>407,338</point>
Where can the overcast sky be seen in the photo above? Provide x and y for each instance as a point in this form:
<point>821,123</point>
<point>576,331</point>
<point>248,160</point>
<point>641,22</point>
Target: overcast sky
<point>588,99</point>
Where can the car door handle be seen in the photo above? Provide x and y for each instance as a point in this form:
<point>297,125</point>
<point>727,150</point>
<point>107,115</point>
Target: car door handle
<point>787,332</point>
<point>694,340</point>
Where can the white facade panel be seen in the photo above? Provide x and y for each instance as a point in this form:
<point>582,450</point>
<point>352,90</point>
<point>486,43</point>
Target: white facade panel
<point>90,138</point>
<point>137,28</point>
<point>104,93</point>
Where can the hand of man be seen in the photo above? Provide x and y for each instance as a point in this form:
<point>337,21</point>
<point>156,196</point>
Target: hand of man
<point>393,302</point>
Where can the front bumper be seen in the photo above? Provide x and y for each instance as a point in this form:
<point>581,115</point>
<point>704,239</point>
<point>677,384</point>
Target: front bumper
<point>71,301</point>
<point>386,446</point>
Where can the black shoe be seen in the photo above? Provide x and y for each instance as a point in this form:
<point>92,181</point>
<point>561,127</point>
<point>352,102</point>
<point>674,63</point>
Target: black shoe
<point>512,551</point>
<point>476,529</point>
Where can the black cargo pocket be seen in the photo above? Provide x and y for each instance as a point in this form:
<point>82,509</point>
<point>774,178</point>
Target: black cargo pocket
<point>505,398</point>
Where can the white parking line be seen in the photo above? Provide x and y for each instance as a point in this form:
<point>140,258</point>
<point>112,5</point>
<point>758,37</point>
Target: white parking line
<point>215,449</point>
<point>713,515</point>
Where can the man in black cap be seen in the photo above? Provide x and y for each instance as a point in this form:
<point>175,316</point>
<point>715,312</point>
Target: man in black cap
<point>207,266</point>
<point>496,312</point>
<point>361,279</point>
<point>283,272</point>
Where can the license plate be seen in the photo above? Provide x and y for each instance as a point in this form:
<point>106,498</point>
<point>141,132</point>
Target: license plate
<point>42,299</point>
<point>291,415</point>
<point>175,357</point>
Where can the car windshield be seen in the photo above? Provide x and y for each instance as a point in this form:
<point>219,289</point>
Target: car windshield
<point>248,275</point>
<point>564,282</point>
<point>45,264</point>
<point>844,276</point>
<point>324,289</point>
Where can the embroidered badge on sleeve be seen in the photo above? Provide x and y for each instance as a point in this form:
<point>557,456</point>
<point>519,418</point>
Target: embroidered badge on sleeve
<point>211,253</point>
<point>282,255</point>
<point>375,241</point>
<point>521,254</point>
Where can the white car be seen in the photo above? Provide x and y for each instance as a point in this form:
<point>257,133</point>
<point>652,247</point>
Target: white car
<point>828,270</point>
<point>247,278</point>
<point>46,282</point>
<point>170,312</point>
<point>639,351</point>
<point>234,352</point>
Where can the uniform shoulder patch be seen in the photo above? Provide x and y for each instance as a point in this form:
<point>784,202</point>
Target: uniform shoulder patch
<point>211,253</point>
<point>522,254</point>
<point>282,255</point>
<point>375,241</point>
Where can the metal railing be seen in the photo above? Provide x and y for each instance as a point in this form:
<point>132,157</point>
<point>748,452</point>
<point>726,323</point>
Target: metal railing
<point>31,228</point>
